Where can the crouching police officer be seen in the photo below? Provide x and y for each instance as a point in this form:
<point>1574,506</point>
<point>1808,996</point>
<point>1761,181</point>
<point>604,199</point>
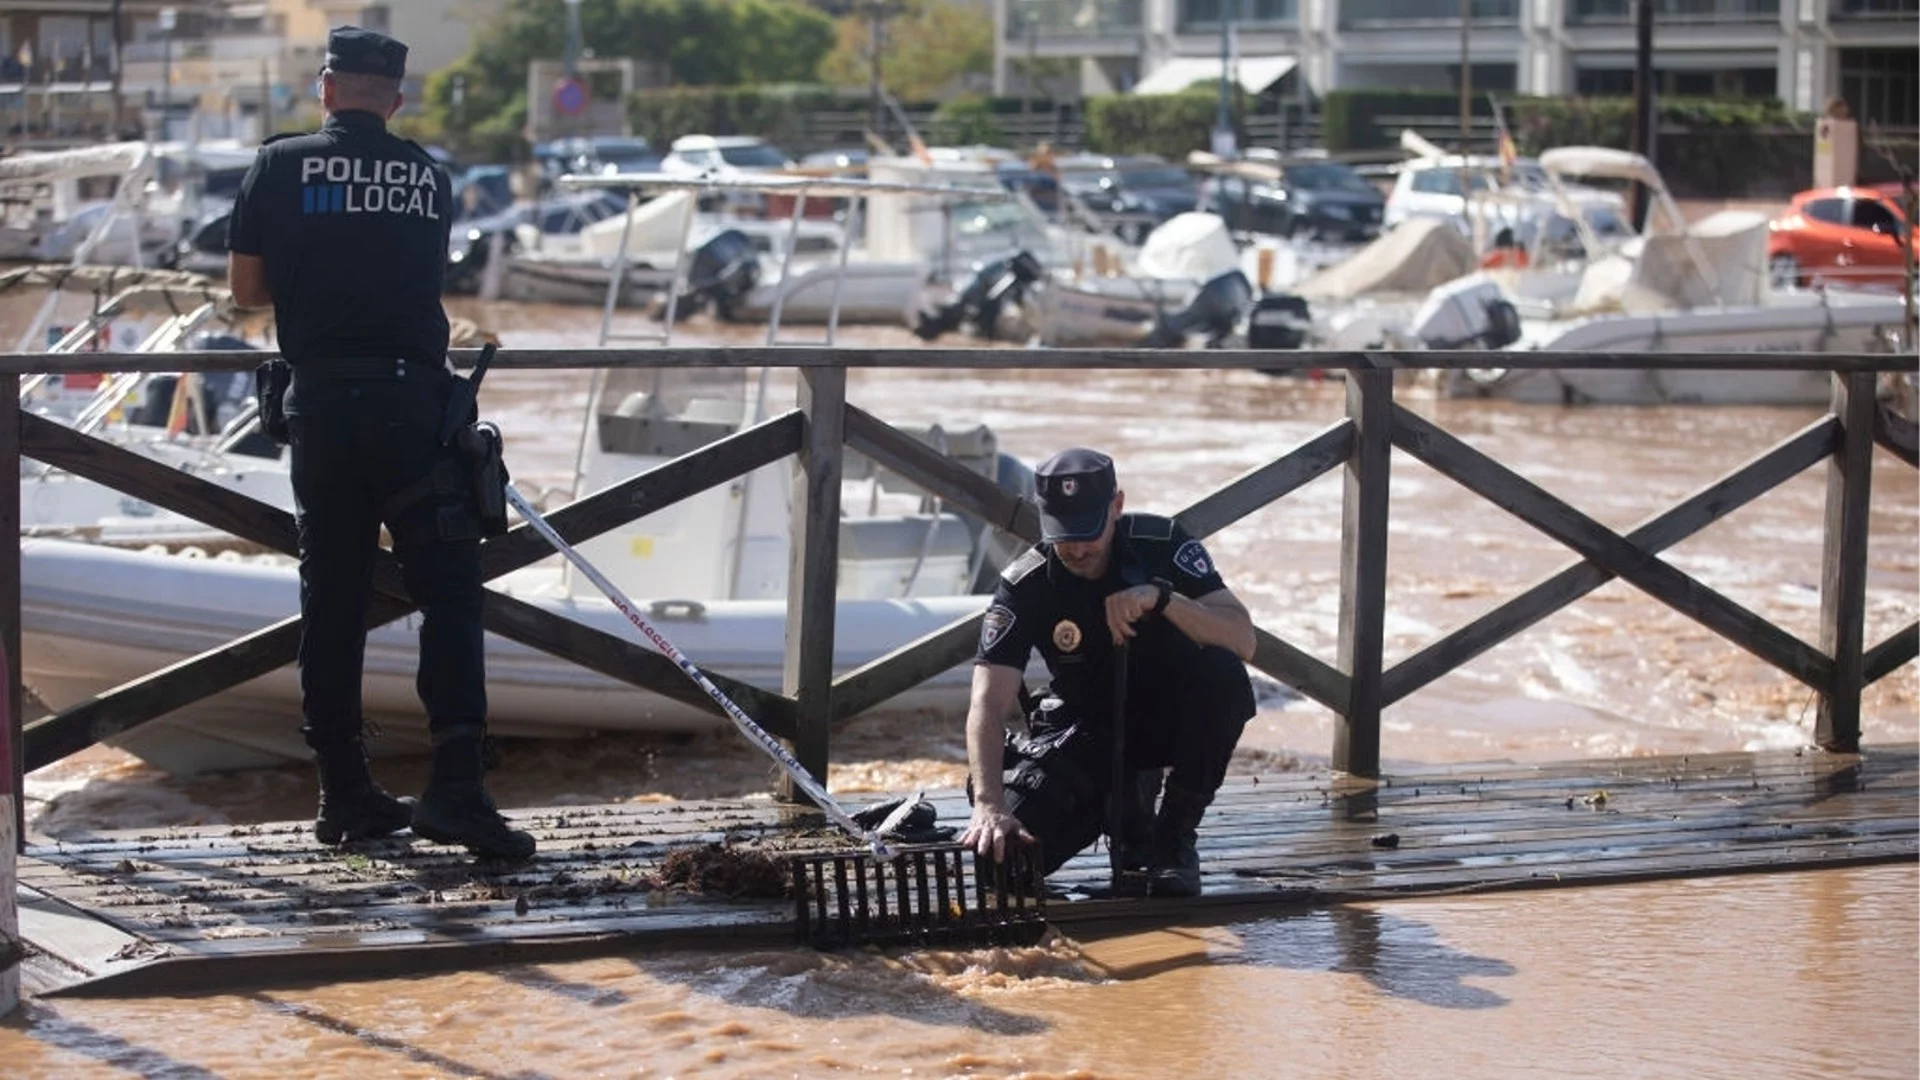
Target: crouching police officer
<point>344,231</point>
<point>1100,579</point>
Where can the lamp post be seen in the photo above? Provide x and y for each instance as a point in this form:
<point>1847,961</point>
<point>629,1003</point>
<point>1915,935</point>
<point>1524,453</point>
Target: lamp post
<point>1223,141</point>
<point>168,19</point>
<point>1031,8</point>
<point>573,38</point>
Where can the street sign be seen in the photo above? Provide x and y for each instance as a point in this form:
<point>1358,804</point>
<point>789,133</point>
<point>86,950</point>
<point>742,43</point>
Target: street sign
<point>570,96</point>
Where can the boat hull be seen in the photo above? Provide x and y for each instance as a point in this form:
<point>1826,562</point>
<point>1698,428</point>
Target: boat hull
<point>95,618</point>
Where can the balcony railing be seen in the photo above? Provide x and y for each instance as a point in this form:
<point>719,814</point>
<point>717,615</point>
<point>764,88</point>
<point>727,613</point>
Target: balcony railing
<point>1204,15</point>
<point>1376,14</point>
<point>1862,10</point>
<point>1603,12</point>
<point>249,47</point>
<point>1072,18</point>
<point>13,72</point>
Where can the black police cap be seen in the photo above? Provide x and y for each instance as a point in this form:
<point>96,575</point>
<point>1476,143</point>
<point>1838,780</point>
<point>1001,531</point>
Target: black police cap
<point>1075,490</point>
<point>359,51</point>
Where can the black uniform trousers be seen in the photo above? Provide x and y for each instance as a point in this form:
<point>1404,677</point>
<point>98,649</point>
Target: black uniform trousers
<point>357,440</point>
<point>1186,714</point>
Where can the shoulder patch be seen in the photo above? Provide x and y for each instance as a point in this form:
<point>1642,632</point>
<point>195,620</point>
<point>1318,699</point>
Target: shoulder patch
<point>994,625</point>
<point>1193,559</point>
<point>1149,527</point>
<point>1030,560</point>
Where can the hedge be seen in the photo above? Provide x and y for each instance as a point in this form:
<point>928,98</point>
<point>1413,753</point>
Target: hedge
<point>1170,125</point>
<point>775,113</point>
<point>1349,118</point>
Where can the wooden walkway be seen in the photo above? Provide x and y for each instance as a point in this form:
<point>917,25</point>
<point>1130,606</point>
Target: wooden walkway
<point>207,908</point>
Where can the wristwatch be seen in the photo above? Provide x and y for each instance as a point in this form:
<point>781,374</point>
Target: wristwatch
<point>1165,597</point>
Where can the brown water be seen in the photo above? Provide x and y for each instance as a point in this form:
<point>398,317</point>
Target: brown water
<point>1788,975</point>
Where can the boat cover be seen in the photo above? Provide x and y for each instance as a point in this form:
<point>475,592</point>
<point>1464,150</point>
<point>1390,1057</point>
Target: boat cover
<point>1415,257</point>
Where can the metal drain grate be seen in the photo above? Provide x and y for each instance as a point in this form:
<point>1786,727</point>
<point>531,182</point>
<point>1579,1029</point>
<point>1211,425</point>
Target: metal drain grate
<point>932,895</point>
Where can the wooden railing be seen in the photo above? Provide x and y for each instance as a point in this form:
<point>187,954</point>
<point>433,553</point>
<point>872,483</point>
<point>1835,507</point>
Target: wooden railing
<point>1357,685</point>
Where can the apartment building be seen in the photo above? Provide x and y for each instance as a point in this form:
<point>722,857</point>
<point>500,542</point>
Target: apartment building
<point>1804,52</point>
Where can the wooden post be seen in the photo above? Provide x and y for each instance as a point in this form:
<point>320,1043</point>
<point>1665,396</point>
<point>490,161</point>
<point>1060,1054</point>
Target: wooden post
<point>12,824</point>
<point>1843,570</point>
<point>11,702</point>
<point>9,800</point>
<point>1363,570</point>
<point>813,567</point>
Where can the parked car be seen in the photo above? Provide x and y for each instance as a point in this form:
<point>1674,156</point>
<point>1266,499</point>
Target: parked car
<point>596,154</point>
<point>1325,200</point>
<point>1519,197</point>
<point>1841,236</point>
<point>1134,193</point>
<point>723,155</point>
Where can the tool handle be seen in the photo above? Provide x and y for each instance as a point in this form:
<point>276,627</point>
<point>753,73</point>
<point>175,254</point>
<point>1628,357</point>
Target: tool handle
<point>1116,797</point>
<point>754,732</point>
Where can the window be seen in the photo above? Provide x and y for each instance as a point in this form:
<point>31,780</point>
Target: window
<point>1882,85</point>
<point>1831,211</point>
<point>1437,181</point>
<point>1874,216</point>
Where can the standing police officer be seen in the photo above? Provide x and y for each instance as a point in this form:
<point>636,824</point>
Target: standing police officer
<point>344,231</point>
<point>1100,579</point>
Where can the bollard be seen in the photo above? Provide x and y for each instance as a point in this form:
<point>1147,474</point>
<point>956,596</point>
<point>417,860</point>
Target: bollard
<point>10,948</point>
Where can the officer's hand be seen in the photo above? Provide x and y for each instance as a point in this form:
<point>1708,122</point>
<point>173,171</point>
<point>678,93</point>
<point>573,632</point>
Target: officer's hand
<point>989,830</point>
<point>1127,607</point>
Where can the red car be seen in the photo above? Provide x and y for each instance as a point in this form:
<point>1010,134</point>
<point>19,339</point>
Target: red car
<point>1842,236</point>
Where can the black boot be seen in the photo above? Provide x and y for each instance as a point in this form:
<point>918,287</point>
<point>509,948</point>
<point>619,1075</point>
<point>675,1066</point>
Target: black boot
<point>352,805</point>
<point>1176,863</point>
<point>456,809</point>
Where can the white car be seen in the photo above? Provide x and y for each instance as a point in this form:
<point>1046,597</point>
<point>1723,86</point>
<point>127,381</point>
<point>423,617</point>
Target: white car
<point>1520,198</point>
<point>723,155</point>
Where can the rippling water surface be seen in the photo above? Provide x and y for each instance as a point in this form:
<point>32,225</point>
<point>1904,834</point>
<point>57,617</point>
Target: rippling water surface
<point>1809,974</point>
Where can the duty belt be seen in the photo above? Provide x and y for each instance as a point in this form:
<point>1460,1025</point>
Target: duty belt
<point>366,367</point>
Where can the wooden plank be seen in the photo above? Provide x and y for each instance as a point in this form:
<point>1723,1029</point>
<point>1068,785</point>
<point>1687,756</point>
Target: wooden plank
<point>162,485</point>
<point>1885,658</point>
<point>1302,670</point>
<point>1659,579</point>
<point>629,661</point>
<point>906,667</point>
<point>813,572</point>
<point>1363,570</point>
<point>1265,484</point>
<point>1843,564</point>
<point>12,698</point>
<point>955,483</point>
<point>710,466</point>
<point>1770,469</point>
<point>1898,434</point>
<point>846,357</point>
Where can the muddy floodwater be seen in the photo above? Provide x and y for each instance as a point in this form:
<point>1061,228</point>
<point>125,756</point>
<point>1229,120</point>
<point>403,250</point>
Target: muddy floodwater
<point>1783,975</point>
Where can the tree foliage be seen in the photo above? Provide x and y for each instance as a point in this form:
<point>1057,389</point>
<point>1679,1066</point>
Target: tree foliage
<point>928,47</point>
<point>702,42</point>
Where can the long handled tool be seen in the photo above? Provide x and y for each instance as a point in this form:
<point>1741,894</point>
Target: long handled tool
<point>918,895</point>
<point>754,732</point>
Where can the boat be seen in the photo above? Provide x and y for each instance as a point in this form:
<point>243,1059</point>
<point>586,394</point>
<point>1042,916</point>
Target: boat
<point>712,570</point>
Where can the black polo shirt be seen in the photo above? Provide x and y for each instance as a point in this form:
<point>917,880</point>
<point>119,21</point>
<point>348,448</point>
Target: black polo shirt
<point>1040,604</point>
<point>352,223</point>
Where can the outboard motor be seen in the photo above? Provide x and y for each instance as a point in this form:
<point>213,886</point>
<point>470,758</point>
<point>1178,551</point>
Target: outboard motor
<point>1472,314</point>
<point>980,299</point>
<point>1216,311</point>
<point>722,272</point>
<point>1279,322</point>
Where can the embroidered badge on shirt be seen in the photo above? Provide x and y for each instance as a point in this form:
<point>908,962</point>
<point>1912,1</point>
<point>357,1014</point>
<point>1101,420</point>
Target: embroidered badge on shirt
<point>994,626</point>
<point>1066,635</point>
<point>1193,559</point>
